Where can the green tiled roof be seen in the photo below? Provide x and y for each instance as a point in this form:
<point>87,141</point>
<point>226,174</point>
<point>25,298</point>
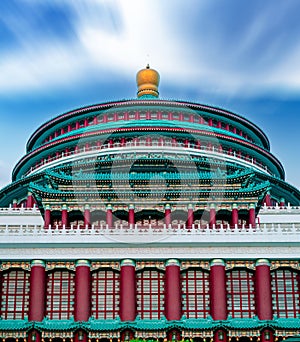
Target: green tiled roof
<point>146,324</point>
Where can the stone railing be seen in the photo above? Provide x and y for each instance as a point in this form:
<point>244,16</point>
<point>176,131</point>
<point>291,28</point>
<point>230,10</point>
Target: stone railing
<point>19,211</point>
<point>180,230</point>
<point>279,209</point>
<point>145,146</point>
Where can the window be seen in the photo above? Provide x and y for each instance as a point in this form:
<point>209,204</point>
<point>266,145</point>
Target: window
<point>150,294</point>
<point>285,288</point>
<point>60,295</point>
<point>240,293</point>
<point>195,289</point>
<point>15,294</point>
<point>105,294</point>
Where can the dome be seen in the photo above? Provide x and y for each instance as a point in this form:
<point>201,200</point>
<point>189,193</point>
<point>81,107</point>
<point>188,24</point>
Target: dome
<point>147,81</point>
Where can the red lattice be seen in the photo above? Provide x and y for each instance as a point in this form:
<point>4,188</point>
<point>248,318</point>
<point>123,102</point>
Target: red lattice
<point>150,294</point>
<point>240,293</point>
<point>195,293</point>
<point>105,294</point>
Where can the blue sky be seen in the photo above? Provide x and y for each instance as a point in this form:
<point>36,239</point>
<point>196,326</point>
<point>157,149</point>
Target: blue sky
<point>57,55</point>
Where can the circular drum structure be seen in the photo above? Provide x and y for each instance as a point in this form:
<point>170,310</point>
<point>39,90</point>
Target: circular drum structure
<point>148,161</point>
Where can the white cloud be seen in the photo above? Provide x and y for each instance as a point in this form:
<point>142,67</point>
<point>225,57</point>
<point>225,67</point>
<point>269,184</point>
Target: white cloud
<point>123,36</point>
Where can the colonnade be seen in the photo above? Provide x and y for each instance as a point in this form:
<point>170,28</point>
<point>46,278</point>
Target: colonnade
<point>172,294</point>
<point>212,217</point>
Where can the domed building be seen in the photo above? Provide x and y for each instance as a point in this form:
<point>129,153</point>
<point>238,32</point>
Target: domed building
<point>149,219</point>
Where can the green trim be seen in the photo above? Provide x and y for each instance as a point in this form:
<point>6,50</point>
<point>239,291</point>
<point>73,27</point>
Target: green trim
<point>146,324</point>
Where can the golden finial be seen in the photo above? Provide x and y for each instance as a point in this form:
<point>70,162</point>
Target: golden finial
<point>147,81</point>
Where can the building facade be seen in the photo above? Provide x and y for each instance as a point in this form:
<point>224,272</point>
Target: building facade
<point>149,219</point>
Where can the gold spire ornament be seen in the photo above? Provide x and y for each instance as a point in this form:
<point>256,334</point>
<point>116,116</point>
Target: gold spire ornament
<point>147,81</point>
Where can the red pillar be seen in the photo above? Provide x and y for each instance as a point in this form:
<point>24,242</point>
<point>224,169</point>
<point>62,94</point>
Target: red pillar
<point>127,291</point>
<point>87,216</point>
<point>168,218</point>
<point>217,287</point>
<point>47,216</point>
<point>37,288</point>
<point>15,203</point>
<point>131,219</point>
<point>190,218</point>
<point>82,300</point>
<point>173,307</point>
<point>64,216</point>
<point>234,216</point>
<point>109,216</point>
<point>212,216</point>
<point>263,290</point>
<point>251,215</point>
<point>267,200</point>
<point>30,200</point>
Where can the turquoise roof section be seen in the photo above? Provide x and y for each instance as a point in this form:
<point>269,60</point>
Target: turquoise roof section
<point>148,325</point>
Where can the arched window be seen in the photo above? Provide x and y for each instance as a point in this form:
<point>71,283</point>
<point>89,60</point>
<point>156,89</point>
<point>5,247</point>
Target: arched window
<point>105,294</point>
<point>285,289</point>
<point>240,293</point>
<point>60,294</point>
<point>150,293</point>
<point>195,293</point>
<point>15,294</point>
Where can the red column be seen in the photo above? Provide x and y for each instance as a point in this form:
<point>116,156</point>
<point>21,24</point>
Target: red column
<point>87,216</point>
<point>47,216</point>
<point>173,307</point>
<point>217,287</point>
<point>30,200</point>
<point>109,216</point>
<point>37,288</point>
<point>15,203</point>
<point>168,218</point>
<point>82,300</point>
<point>263,290</point>
<point>190,218</point>
<point>212,216</point>
<point>127,291</point>
<point>251,215</point>
<point>64,216</point>
<point>267,200</point>
<point>131,219</point>
<point>234,216</point>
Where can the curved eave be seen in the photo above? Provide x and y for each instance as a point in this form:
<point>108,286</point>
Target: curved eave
<point>167,103</point>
